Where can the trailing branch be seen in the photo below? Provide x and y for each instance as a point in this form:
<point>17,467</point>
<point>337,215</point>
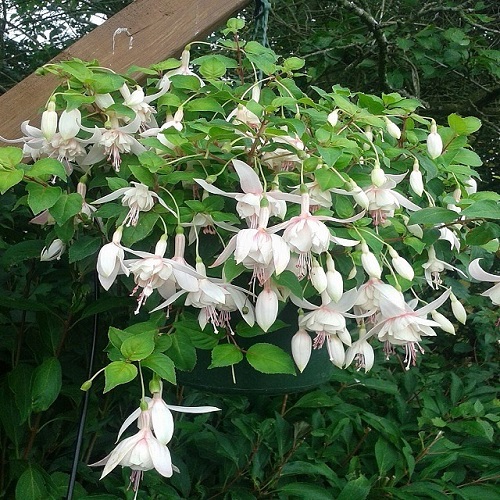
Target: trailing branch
<point>379,35</point>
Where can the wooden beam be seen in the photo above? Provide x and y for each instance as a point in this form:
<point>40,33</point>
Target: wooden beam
<point>160,29</point>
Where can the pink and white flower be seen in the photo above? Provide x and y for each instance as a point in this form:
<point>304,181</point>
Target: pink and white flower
<point>479,274</point>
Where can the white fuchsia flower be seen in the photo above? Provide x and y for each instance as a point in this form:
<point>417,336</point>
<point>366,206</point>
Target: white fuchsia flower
<point>141,452</point>
<point>139,102</point>
<point>110,261</point>
<point>183,69</point>
<point>258,249</point>
<point>401,324</point>
<point>333,117</point>
<point>369,262</point>
<point>401,265</point>
<point>318,276</point>
<point>138,198</point>
<point>434,267</point>
<point>53,251</point>
<point>384,200</point>
<point>281,158</point>
<point>248,203</point>
<point>174,122</point>
<point>242,115</point>
<point>434,142</point>
<point>360,351</point>
<point>458,309</point>
<point>112,140</point>
<point>49,121</point>
<point>334,280</point>
<point>479,274</point>
<point>306,234</point>
<point>207,224</point>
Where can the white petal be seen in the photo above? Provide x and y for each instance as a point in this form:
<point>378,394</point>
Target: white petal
<point>477,272</point>
<point>160,456</point>
<point>249,180</point>
<point>162,420</point>
<point>266,309</point>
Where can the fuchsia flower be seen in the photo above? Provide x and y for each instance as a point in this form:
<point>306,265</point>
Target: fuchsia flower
<point>401,324</point>
<point>110,261</point>
<point>249,202</point>
<point>477,273</point>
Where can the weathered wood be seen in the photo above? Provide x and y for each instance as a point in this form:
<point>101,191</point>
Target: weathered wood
<point>160,29</point>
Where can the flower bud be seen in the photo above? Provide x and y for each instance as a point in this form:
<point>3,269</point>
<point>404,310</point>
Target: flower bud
<point>69,123</point>
<point>318,276</point>
<point>266,309</point>
<point>301,349</point>
<point>401,265</point>
<point>392,129</point>
<point>335,350</point>
<point>369,262</point>
<point>334,280</point>
<point>49,121</point>
<point>471,186</point>
<point>104,101</point>
<point>359,196</point>
<point>333,117</point>
<point>369,135</point>
<point>416,182</point>
<point>378,176</point>
<point>444,323</point>
<point>53,252</point>
<point>458,309</point>
<point>434,142</point>
<point>86,385</point>
<point>161,246</point>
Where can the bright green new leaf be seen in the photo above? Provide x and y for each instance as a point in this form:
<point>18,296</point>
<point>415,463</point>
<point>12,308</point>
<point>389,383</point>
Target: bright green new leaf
<point>225,355</point>
<point>41,197</point>
<point>464,126</point>
<point>67,206</point>
<point>47,167</point>
<point>117,373</point>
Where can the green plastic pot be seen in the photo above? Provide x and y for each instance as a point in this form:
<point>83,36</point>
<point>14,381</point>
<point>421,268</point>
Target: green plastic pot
<point>251,382</point>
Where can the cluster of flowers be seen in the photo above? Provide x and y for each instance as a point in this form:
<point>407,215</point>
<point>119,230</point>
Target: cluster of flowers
<point>272,241</point>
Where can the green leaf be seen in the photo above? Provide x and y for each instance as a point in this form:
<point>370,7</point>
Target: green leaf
<point>20,383</point>
<point>358,489</point>
<point>305,491</point>
<point>433,215</point>
<point>212,67</point>
<point>138,346</point>
<point>464,126</point>
<point>117,373</point>
<point>293,63</point>
<point>9,178</point>
<point>487,209</point>
<point>10,157</point>
<point>482,234</point>
<point>225,355</point>
<point>42,197</point>
<point>232,270</point>
<point>137,233</point>
<point>103,83</point>
<point>78,69</point>
<point>83,247</point>
<point>121,111</point>
<point>19,252</point>
<point>117,337</point>
<point>47,166</point>
<point>386,456</point>
<point>289,281</point>
<point>162,365</point>
<point>31,485</point>
<point>205,104</point>
<point>142,174</point>
<point>268,358</point>
<point>182,351</point>
<point>74,101</point>
<point>151,161</point>
<point>67,206</point>
<point>346,105</point>
<point>47,382</point>
<point>243,329</point>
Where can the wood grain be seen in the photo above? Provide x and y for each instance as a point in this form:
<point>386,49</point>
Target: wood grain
<point>160,29</point>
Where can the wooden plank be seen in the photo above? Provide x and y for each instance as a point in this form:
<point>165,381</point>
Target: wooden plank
<point>160,29</point>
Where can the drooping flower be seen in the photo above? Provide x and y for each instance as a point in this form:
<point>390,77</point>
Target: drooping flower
<point>333,117</point>
<point>112,140</point>
<point>479,274</point>
<point>401,265</point>
<point>369,262</point>
<point>401,324</point>
<point>49,121</point>
<point>361,351</point>
<point>392,128</point>
<point>434,267</point>
<point>416,181</point>
<point>248,203</point>
<point>139,102</point>
<point>384,200</point>
<point>53,251</point>
<point>110,261</point>
<point>141,452</point>
<point>183,69</point>
<point>138,198</point>
<point>458,309</point>
<point>266,307</point>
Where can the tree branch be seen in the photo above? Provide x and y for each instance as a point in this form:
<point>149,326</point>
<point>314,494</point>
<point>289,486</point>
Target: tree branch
<point>379,35</point>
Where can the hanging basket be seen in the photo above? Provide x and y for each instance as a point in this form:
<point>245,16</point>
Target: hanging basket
<point>242,378</point>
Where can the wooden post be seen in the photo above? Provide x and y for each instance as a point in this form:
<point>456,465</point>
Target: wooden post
<point>160,29</point>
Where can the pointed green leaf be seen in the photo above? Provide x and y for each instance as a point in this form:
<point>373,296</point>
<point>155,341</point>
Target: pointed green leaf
<point>433,215</point>
<point>46,167</point>
<point>225,355</point>
<point>268,358</point>
<point>47,382</point>
<point>83,247</point>
<point>67,206</point>
<point>31,485</point>
<point>162,365</point>
<point>41,197</point>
